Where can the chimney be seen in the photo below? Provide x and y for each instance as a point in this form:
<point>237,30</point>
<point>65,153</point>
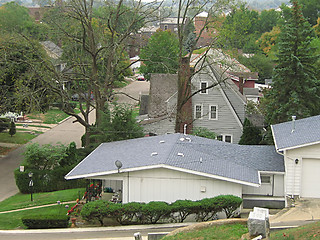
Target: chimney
<point>241,84</point>
<point>293,124</point>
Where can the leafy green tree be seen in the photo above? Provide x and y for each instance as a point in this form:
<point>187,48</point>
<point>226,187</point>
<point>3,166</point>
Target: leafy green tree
<point>267,20</point>
<point>239,28</point>
<point>259,63</point>
<point>311,10</point>
<point>251,134</point>
<point>160,55</point>
<point>23,75</point>
<point>12,129</point>
<point>203,132</point>
<point>16,19</point>
<point>48,157</point>
<point>295,89</point>
<point>118,123</point>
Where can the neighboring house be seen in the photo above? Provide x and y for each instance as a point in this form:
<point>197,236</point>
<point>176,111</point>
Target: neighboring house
<point>299,142</point>
<point>220,109</point>
<point>177,166</point>
<point>55,53</point>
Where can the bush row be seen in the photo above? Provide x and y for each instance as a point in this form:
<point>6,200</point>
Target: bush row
<point>46,180</point>
<point>153,212</point>
<point>46,221</point>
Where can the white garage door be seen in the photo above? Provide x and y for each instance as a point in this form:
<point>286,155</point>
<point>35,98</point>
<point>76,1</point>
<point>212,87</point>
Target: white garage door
<point>310,186</point>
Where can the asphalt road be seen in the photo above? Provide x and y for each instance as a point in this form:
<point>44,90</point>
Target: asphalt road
<point>71,234</point>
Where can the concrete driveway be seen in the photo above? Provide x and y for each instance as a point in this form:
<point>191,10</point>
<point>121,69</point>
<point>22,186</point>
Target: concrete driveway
<point>305,210</point>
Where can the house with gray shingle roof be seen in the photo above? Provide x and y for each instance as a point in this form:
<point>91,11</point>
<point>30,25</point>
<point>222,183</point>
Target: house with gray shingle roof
<point>177,166</point>
<point>299,143</point>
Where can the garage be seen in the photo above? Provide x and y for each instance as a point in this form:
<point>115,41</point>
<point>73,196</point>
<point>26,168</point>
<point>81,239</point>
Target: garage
<point>310,185</point>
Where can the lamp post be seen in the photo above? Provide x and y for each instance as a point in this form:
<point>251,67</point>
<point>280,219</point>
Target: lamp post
<point>31,184</point>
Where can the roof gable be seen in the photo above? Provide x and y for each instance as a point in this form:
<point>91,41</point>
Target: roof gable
<point>306,132</point>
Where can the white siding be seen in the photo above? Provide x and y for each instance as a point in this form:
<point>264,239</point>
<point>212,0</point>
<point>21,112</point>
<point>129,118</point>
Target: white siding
<point>274,188</point>
<point>168,185</point>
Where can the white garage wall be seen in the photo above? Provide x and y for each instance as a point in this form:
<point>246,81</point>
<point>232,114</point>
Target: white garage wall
<point>169,185</point>
<point>295,175</point>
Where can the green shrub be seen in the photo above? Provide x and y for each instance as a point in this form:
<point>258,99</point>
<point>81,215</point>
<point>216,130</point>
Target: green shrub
<point>181,209</point>
<point>46,180</point>
<point>97,210</point>
<point>229,204</point>
<point>46,221</point>
<point>152,212</point>
<point>206,209</point>
<point>129,213</point>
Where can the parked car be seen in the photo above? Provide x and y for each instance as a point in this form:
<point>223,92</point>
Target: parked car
<point>140,78</point>
<point>75,97</point>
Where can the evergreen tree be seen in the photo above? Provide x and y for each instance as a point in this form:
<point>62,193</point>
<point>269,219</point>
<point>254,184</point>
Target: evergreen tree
<point>12,129</point>
<point>251,134</point>
<point>295,89</point>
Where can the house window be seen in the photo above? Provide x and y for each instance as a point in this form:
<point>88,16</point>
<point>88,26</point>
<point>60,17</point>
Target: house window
<point>203,86</point>
<point>198,111</point>
<point>228,138</point>
<point>225,138</point>
<point>213,112</point>
<point>265,179</point>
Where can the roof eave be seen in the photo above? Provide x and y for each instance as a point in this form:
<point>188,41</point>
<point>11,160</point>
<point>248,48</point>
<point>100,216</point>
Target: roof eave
<point>213,176</point>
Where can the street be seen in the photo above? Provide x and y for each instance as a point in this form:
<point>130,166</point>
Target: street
<point>80,233</point>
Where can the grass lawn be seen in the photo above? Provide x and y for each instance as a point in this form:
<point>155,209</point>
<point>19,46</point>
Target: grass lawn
<point>52,116</point>
<point>23,200</point>
<point>18,138</point>
<point>309,231</point>
<point>229,231</point>
<point>13,220</point>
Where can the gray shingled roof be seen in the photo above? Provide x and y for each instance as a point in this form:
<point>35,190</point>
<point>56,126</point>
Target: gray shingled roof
<point>306,131</point>
<point>216,158</point>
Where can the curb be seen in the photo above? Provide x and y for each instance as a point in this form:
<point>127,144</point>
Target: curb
<point>97,229</point>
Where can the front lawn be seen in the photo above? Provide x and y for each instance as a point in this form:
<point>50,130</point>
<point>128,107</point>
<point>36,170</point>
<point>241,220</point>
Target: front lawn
<point>309,231</point>
<point>24,200</point>
<point>10,221</point>
<point>229,231</point>
<point>52,116</point>
<point>18,138</point>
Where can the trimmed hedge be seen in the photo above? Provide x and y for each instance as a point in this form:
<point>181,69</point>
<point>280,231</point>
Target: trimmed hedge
<point>46,180</point>
<point>153,212</point>
<point>46,221</point>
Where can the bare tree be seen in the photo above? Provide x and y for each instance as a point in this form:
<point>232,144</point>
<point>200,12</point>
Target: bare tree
<point>187,11</point>
<point>95,44</point>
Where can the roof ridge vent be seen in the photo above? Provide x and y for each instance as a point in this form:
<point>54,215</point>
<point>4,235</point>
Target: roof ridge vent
<point>180,154</point>
<point>154,154</point>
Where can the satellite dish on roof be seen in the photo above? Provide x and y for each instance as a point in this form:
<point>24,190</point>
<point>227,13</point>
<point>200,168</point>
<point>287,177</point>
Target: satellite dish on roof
<point>118,165</point>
